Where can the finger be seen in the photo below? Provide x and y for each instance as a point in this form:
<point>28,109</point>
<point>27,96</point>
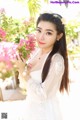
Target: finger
<point>20,57</point>
<point>29,65</point>
<point>16,57</point>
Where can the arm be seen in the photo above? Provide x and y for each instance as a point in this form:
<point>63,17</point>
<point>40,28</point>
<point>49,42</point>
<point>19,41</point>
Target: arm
<point>52,83</point>
<point>25,70</point>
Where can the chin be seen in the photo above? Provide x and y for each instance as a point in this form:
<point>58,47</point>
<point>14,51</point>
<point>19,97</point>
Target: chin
<point>40,46</point>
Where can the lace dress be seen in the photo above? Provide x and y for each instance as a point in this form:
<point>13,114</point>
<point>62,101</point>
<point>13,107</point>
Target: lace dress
<point>41,102</point>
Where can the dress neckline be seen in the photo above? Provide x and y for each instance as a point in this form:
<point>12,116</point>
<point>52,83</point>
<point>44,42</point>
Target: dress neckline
<point>43,62</point>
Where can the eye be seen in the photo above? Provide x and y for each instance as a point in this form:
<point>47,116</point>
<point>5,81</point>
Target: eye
<point>38,30</point>
<point>49,33</point>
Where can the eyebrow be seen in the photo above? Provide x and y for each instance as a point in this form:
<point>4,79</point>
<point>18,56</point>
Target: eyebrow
<point>46,29</point>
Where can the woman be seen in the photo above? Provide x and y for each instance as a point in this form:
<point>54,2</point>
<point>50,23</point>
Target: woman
<point>48,71</point>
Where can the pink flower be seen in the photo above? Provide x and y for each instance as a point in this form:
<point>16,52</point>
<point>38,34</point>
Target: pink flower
<point>26,46</point>
<point>9,51</point>
<point>2,34</point>
<point>22,42</point>
<point>31,41</point>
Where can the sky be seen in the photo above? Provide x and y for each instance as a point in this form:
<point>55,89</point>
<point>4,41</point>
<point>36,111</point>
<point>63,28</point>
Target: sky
<point>18,10</point>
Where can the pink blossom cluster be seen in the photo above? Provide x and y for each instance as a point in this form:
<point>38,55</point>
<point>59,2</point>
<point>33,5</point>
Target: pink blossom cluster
<point>7,56</point>
<point>25,47</point>
<point>2,34</point>
<point>9,51</point>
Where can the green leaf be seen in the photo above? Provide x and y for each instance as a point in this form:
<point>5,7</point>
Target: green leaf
<point>34,6</point>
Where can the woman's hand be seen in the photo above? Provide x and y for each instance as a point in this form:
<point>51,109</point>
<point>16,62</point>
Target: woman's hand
<point>20,62</point>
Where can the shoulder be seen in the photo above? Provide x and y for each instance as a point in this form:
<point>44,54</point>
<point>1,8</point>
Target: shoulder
<point>57,57</point>
<point>57,62</point>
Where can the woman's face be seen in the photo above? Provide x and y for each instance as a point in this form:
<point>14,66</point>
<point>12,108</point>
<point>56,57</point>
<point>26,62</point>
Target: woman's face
<point>46,35</point>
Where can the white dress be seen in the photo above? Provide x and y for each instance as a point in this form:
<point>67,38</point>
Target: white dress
<point>41,102</point>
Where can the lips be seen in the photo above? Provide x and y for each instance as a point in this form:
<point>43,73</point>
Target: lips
<point>41,43</point>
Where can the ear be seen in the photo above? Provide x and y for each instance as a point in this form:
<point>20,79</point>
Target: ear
<point>59,36</point>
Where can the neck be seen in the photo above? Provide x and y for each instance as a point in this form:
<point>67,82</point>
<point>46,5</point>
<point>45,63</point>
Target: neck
<point>45,51</point>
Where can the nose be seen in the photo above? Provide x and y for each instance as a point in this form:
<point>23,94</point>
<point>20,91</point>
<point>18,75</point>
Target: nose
<point>41,37</point>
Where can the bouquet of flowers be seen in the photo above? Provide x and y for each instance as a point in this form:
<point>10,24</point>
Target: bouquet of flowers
<point>25,47</point>
<point>9,51</point>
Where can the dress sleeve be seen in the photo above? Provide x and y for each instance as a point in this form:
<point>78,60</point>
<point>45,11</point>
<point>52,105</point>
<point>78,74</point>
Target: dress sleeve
<point>51,85</point>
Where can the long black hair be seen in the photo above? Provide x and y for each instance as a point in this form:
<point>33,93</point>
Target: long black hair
<point>59,46</point>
